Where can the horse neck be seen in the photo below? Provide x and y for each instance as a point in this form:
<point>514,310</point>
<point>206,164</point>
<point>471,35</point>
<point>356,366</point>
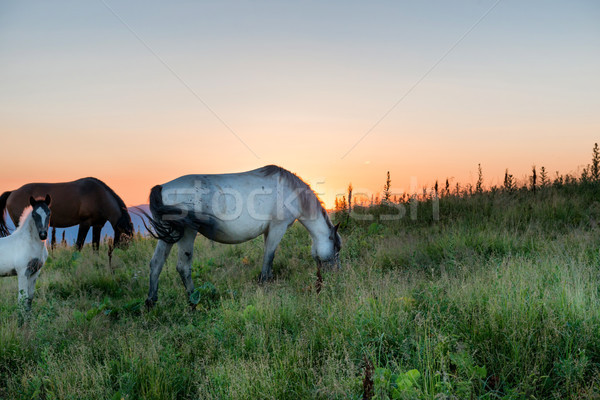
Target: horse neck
<point>114,216</point>
<point>115,212</point>
<point>27,228</point>
<point>318,227</point>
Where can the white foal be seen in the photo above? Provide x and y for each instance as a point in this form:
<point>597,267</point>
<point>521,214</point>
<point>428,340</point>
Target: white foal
<point>24,252</point>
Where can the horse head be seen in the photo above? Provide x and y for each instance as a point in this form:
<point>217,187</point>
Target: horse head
<point>328,255</point>
<point>41,215</point>
<point>124,226</point>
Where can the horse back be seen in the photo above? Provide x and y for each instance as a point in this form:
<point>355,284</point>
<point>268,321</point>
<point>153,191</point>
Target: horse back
<point>213,189</point>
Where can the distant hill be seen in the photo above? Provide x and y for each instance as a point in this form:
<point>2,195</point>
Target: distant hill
<point>71,233</point>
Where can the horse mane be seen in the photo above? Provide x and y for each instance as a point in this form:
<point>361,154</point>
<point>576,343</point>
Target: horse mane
<point>24,215</point>
<point>309,200</point>
<point>119,201</point>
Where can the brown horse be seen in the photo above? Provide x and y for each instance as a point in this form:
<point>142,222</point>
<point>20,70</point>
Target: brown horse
<point>87,202</point>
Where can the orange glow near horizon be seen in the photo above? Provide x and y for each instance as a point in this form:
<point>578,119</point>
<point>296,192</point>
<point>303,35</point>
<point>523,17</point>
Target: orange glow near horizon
<point>132,175</point>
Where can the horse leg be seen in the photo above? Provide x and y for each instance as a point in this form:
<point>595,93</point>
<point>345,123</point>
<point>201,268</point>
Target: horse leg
<point>83,231</point>
<point>31,288</point>
<point>28,278</point>
<point>156,265</point>
<point>117,237</point>
<point>23,289</point>
<point>96,229</point>
<point>184,261</point>
<point>272,239</point>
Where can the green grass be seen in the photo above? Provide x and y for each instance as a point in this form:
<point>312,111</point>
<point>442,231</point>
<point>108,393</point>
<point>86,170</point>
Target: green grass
<point>499,299</point>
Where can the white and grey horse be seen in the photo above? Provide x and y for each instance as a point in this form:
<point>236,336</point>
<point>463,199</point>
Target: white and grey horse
<point>24,252</point>
<point>234,208</point>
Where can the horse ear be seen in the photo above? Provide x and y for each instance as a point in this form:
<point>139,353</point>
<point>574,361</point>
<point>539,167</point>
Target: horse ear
<point>335,228</point>
<point>31,200</point>
<point>47,200</point>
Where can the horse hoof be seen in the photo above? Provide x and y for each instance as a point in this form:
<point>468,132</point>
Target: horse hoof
<point>264,279</point>
<point>149,304</point>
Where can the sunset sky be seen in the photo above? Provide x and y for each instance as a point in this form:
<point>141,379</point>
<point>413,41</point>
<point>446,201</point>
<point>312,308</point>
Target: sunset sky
<point>137,93</point>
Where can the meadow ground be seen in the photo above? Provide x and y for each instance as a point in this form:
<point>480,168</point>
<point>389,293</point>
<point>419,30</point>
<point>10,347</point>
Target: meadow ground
<point>498,299</point>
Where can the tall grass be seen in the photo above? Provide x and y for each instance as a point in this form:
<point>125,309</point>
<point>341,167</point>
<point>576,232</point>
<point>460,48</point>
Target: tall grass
<point>497,299</point>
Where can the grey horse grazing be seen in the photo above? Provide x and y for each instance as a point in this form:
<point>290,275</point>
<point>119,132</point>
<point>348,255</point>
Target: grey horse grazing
<point>234,208</point>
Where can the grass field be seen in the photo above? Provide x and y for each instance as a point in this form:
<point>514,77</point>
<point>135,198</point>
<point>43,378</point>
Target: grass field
<point>499,299</point>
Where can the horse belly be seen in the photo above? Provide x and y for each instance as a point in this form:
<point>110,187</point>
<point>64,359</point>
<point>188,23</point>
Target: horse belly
<point>232,232</point>
<point>8,258</point>
<point>64,216</point>
<point>7,268</point>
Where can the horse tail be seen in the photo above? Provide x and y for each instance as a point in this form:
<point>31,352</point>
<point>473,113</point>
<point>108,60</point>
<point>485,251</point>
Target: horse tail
<point>4,231</point>
<point>168,223</point>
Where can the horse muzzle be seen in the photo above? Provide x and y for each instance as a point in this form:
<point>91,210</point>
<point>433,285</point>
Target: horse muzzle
<point>333,263</point>
<point>43,235</point>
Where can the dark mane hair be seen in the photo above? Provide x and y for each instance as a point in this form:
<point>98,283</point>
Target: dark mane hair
<point>309,200</point>
<point>124,221</point>
<point>112,192</point>
<point>125,217</point>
